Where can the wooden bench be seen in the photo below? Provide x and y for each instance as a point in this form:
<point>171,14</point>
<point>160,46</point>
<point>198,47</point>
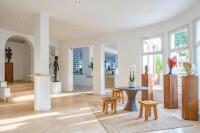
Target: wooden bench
<point>118,94</point>
<point>148,105</point>
<point>112,101</point>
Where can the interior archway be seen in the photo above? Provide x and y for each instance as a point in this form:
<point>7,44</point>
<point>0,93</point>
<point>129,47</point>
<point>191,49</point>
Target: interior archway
<point>22,62</point>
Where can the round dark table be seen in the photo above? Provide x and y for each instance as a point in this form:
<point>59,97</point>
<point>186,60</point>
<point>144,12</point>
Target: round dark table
<point>131,105</point>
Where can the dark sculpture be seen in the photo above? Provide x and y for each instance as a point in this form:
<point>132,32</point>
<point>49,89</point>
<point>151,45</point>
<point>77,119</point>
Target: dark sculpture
<point>146,69</point>
<point>8,54</point>
<point>56,68</point>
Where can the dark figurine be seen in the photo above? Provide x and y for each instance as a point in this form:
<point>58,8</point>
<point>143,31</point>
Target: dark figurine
<point>56,68</point>
<point>8,54</point>
<point>146,69</point>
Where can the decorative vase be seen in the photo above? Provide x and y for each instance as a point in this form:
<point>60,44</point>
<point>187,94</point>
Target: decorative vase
<point>188,67</point>
<point>132,84</point>
<point>170,70</point>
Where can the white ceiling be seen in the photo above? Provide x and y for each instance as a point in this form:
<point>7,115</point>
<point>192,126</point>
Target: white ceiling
<point>70,19</point>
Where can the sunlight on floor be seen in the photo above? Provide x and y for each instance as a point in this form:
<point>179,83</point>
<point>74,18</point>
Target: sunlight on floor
<point>83,123</point>
<point>72,116</point>
<point>31,97</point>
<point>11,127</point>
<point>25,118</point>
<point>23,98</point>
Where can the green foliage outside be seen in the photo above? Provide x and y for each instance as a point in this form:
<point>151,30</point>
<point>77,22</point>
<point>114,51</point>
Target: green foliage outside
<point>159,64</point>
<point>91,64</point>
<point>181,39</point>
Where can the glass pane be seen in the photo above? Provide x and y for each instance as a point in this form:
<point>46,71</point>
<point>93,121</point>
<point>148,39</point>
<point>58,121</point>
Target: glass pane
<point>152,45</point>
<point>155,65</point>
<point>179,39</point>
<point>182,56</point>
<point>198,31</point>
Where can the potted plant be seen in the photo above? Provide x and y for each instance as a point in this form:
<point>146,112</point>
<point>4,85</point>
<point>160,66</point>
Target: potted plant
<point>172,63</point>
<point>91,64</point>
<point>132,82</point>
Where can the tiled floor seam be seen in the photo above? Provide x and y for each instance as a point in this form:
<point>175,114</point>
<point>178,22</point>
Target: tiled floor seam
<point>97,118</point>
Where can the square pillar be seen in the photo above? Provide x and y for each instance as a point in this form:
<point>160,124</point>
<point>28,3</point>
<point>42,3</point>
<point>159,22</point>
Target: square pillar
<point>70,83</point>
<point>66,67</point>
<point>98,70</point>
<point>42,97</point>
<point>41,64</point>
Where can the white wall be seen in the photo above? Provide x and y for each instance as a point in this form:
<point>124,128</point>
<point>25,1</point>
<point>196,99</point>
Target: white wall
<point>21,58</point>
<point>130,44</point>
<point>55,43</point>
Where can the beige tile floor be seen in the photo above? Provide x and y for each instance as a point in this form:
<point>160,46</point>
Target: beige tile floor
<point>70,114</point>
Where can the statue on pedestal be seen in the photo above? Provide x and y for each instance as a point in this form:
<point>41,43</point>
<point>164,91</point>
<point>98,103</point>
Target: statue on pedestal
<point>8,65</point>
<point>56,86</point>
<point>146,69</point>
<point>8,54</point>
<point>56,68</point>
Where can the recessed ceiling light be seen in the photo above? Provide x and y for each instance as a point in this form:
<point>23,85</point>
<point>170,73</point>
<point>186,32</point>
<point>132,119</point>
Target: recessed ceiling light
<point>77,1</point>
<point>18,22</point>
<point>108,20</point>
<point>149,11</point>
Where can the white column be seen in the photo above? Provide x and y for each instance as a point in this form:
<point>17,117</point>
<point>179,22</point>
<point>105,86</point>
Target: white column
<point>66,67</point>
<point>70,71</point>
<point>2,63</point>
<point>98,70</point>
<point>41,63</point>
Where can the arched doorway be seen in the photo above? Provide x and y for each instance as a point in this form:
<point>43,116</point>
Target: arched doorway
<point>22,60</point>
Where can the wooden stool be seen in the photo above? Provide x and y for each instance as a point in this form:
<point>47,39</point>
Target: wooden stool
<point>148,105</point>
<point>118,94</point>
<point>112,101</point>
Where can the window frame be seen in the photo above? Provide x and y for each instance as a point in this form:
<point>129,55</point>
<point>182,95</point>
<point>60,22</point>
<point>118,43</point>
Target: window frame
<point>154,52</point>
<point>161,36</point>
<point>151,53</point>
<point>170,49</point>
<point>197,43</point>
